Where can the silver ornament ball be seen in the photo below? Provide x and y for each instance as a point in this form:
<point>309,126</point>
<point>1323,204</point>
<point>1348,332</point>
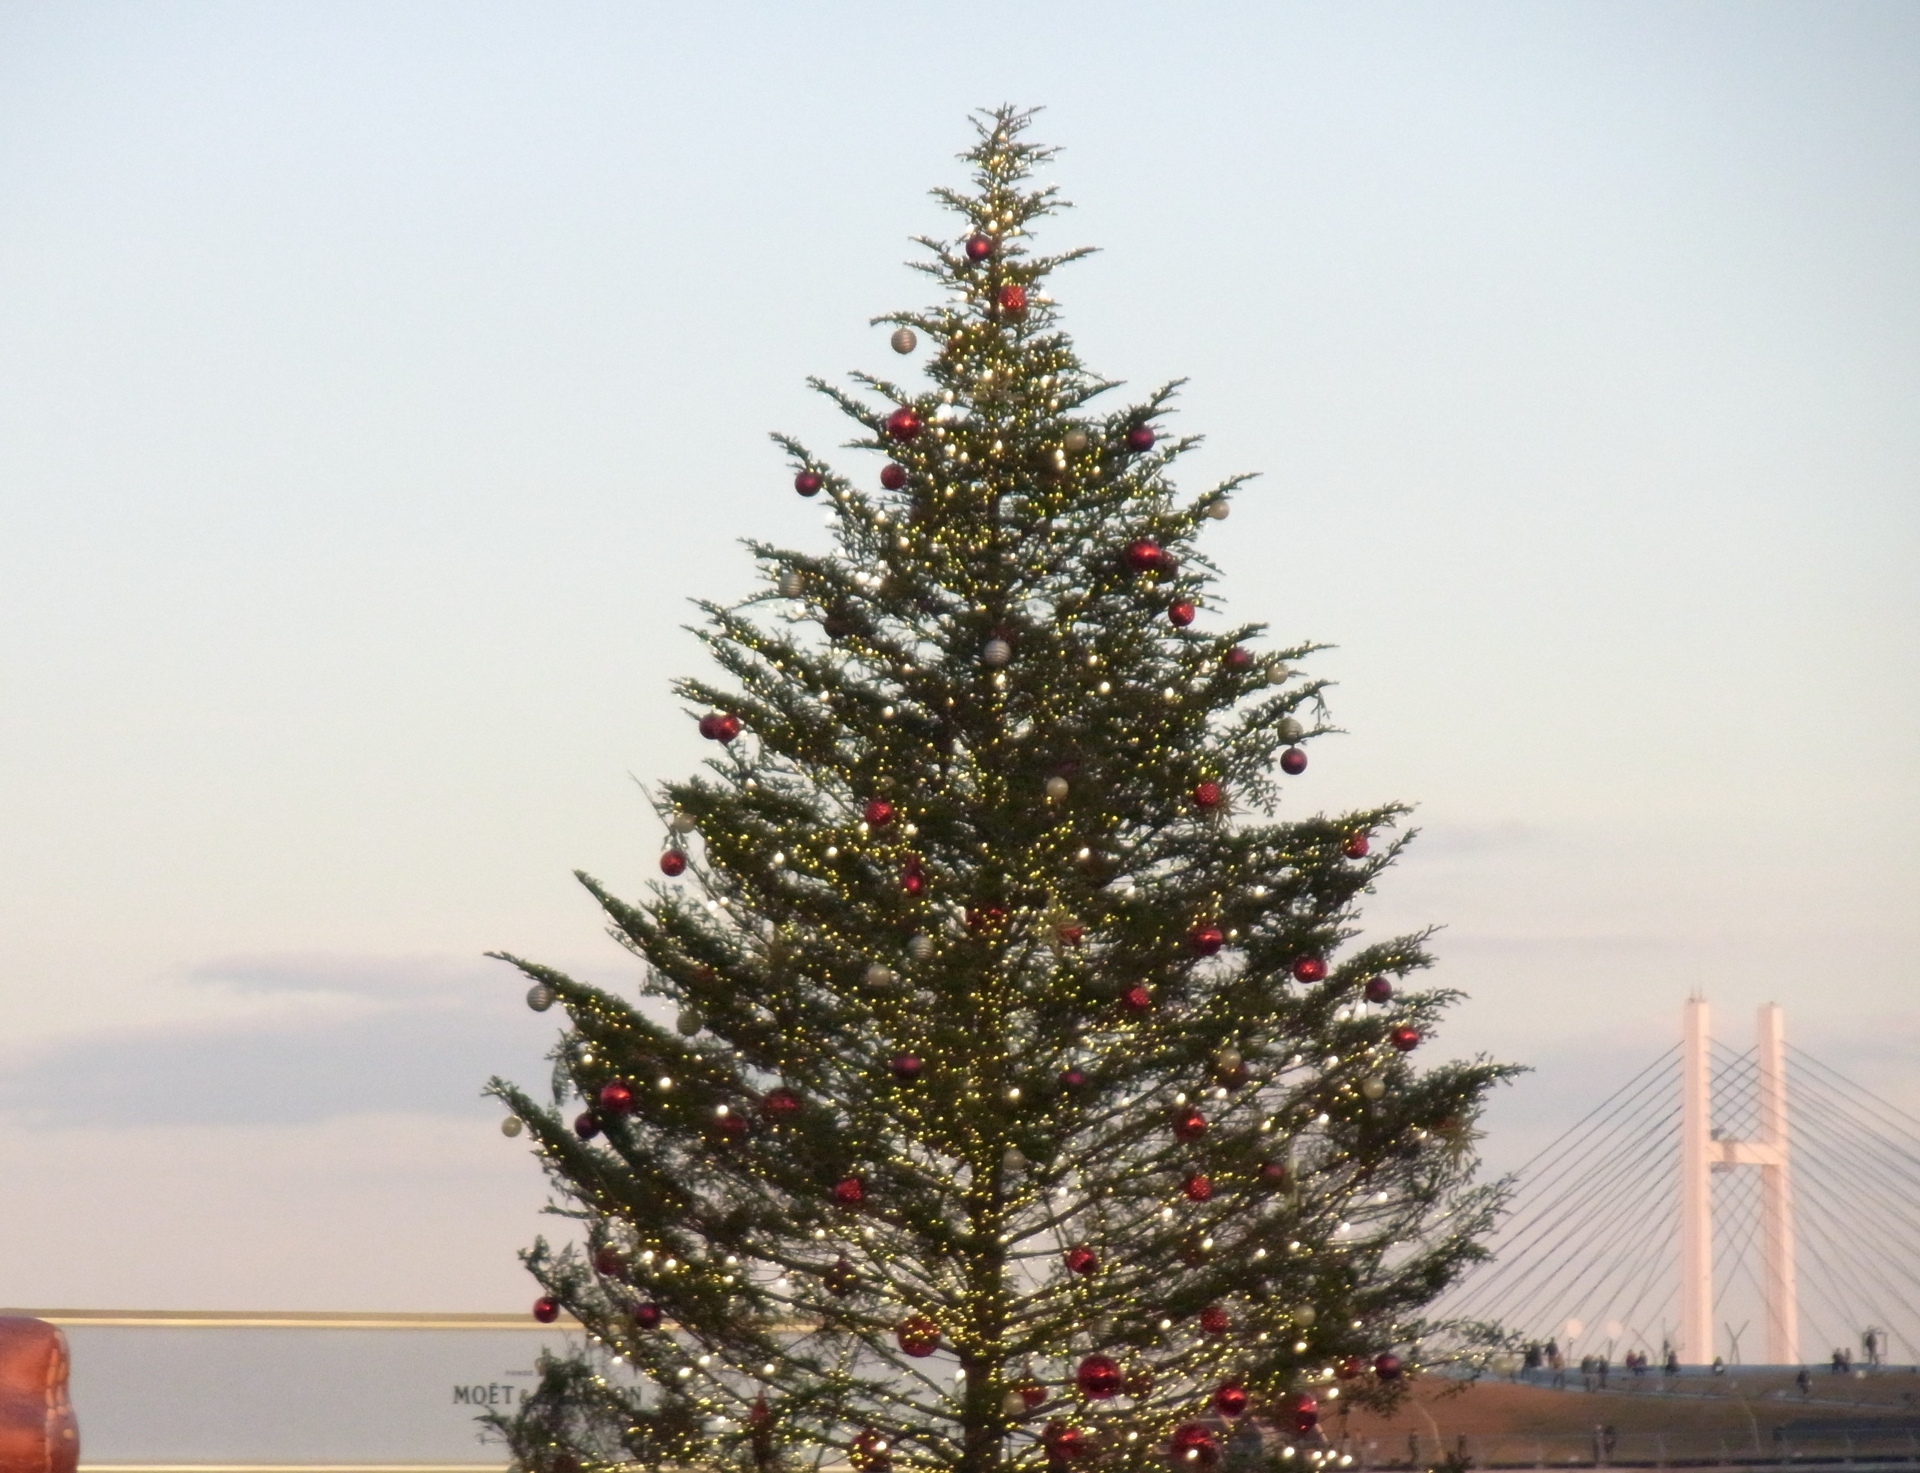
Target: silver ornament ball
<point>879,976</point>
<point>904,340</point>
<point>540,997</point>
<point>511,1126</point>
<point>792,584</point>
<point>1075,442</point>
<point>1290,730</point>
<point>1373,1087</point>
<point>1056,788</point>
<point>1219,510</point>
<point>689,1022</point>
<point>997,652</point>
<point>920,948</point>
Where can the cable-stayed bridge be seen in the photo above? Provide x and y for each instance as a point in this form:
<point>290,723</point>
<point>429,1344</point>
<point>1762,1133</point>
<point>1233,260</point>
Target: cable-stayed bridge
<point>1753,1206</point>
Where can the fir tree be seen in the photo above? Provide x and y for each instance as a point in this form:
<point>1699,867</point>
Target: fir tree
<point>1029,1101</point>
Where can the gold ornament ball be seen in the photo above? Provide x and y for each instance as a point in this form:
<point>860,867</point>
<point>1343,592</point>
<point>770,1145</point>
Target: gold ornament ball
<point>1056,788</point>
<point>1373,1087</point>
<point>880,976</point>
<point>1219,510</point>
<point>1306,1314</point>
<point>1290,730</point>
<point>511,1126</point>
<point>689,1022</point>
<point>1075,442</point>
<point>904,340</point>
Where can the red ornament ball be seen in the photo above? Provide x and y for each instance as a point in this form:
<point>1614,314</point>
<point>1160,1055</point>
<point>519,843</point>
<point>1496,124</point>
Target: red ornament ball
<point>849,1191</point>
<point>673,864</point>
<point>1387,1366</point>
<point>1188,1123</point>
<point>585,1126</point>
<point>1139,1382</point>
<point>1309,969</point>
<point>1064,1444</point>
<point>1193,1446</point>
<point>1207,939</point>
<point>1137,998</point>
<point>780,1103</point>
<point>808,483</point>
<point>1350,1367</point>
<point>1032,1393</point>
<point>1180,613</point>
<point>1230,1400</point>
<point>731,1126</point>
<point>1081,1259</point>
<point>1379,989</point>
<point>647,1315</point>
<point>609,1262</point>
<point>1098,1377</point>
<point>1237,657</point>
<point>1406,1038</point>
<point>1072,1078</point>
<point>869,1452</point>
<point>1013,299</point>
<point>979,247</point>
<point>913,879</point>
<point>616,1097</point>
<point>1143,555</point>
<point>1273,1173</point>
<point>893,475</point>
<point>1356,846</point>
<point>1305,1411</point>
<point>546,1310</point>
<point>1206,795</point>
<point>1140,438</point>
<point>1215,1320</point>
<point>907,1067</point>
<point>878,813</point>
<point>1293,762</point>
<point>1198,1187</point>
<point>918,1335</point>
<point>719,726</point>
<point>903,423</point>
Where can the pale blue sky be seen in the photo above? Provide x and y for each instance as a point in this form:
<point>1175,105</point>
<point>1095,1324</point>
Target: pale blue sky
<point>378,382</point>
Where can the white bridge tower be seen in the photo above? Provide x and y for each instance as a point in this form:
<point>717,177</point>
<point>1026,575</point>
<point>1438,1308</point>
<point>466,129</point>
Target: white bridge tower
<point>1704,1151</point>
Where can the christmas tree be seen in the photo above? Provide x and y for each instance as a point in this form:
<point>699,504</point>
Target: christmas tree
<point>1028,1100</point>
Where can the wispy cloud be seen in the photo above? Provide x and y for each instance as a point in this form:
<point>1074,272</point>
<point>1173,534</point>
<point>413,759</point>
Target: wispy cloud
<point>358,1034</point>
